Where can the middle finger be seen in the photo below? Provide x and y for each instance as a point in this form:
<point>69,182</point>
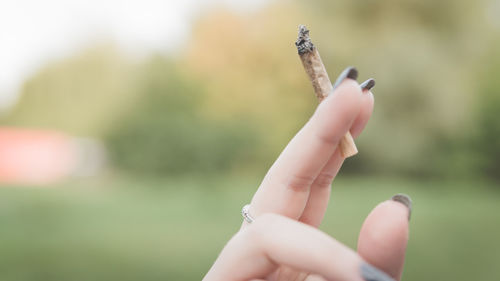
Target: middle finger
<point>285,188</point>
<point>320,189</point>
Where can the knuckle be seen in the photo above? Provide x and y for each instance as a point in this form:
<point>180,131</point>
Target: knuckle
<point>324,180</point>
<point>329,139</point>
<point>299,183</point>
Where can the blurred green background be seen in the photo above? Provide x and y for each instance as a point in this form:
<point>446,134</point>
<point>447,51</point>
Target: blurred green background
<point>190,133</point>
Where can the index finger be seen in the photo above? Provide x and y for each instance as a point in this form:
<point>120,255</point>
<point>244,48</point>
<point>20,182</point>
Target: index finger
<point>273,241</point>
<point>285,188</point>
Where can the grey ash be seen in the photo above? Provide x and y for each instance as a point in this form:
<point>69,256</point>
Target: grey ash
<point>303,42</point>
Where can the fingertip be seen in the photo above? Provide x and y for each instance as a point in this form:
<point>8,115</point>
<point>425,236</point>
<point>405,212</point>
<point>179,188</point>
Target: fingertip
<point>344,100</point>
<point>405,200</point>
<point>365,112</point>
<point>387,223</point>
<point>336,114</point>
<point>384,236</point>
<point>348,87</point>
<point>369,96</point>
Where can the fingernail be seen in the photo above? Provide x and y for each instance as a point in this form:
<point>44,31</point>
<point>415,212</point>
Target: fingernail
<point>368,84</point>
<point>371,273</point>
<point>405,200</point>
<point>350,72</point>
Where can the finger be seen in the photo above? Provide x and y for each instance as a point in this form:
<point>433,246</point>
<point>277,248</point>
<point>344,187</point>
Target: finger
<point>319,195</point>
<point>384,235</point>
<point>273,240</point>
<point>285,189</point>
<point>367,106</point>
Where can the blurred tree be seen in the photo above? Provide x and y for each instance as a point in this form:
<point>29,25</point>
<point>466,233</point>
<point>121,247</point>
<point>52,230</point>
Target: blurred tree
<point>83,94</point>
<point>487,138</point>
<point>423,55</point>
<point>249,67</point>
<point>165,134</point>
<point>238,86</point>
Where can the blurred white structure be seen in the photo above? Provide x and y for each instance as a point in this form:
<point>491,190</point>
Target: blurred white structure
<point>42,156</point>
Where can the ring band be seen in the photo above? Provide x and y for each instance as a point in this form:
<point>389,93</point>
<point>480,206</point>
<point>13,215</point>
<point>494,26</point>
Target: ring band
<point>245,212</point>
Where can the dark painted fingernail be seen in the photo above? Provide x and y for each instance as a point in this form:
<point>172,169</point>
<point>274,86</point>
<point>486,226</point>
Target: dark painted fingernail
<point>371,273</point>
<point>405,200</point>
<point>350,72</point>
<point>368,84</point>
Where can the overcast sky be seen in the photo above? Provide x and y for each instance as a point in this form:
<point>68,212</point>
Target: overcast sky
<point>33,32</point>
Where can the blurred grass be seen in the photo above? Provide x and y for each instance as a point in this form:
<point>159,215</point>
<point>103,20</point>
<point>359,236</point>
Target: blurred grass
<point>173,230</point>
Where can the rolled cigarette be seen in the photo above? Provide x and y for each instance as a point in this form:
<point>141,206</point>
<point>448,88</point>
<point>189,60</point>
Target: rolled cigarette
<point>316,71</point>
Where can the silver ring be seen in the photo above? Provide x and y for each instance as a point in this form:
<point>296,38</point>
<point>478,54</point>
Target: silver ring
<point>245,212</point>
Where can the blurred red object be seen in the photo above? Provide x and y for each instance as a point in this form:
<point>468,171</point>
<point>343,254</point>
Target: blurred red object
<point>39,156</point>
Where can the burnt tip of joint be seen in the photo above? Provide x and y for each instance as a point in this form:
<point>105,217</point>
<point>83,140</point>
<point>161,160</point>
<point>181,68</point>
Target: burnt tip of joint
<point>303,42</point>
<point>303,31</point>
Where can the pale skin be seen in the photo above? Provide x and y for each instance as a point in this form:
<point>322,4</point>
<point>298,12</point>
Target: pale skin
<point>283,243</point>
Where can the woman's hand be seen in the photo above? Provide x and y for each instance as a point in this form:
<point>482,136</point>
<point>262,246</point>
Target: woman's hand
<point>283,243</point>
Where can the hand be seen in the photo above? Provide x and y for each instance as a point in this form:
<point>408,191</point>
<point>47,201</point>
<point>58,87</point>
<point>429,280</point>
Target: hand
<point>283,243</point>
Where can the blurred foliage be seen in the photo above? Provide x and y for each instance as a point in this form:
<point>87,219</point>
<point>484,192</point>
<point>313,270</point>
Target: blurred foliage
<point>236,92</point>
<point>487,139</point>
<point>83,95</point>
<point>165,134</point>
<point>424,57</point>
<point>250,68</point>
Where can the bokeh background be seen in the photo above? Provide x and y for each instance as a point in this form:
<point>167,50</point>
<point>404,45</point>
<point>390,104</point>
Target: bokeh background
<point>132,132</point>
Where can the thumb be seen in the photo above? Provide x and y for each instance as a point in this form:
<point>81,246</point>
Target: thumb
<point>384,235</point>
